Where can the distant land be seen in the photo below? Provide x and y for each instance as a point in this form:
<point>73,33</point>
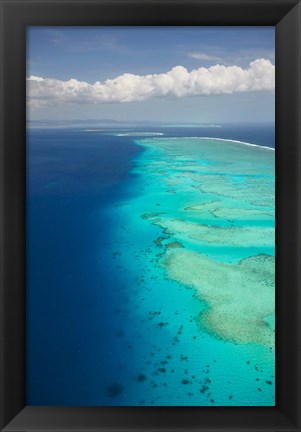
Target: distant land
<point>133,123</point>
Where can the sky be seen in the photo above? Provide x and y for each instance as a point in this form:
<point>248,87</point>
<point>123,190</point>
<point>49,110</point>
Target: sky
<point>169,74</point>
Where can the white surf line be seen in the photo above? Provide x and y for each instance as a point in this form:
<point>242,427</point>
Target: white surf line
<point>221,139</point>
<point>235,141</point>
<point>93,130</point>
<point>140,134</point>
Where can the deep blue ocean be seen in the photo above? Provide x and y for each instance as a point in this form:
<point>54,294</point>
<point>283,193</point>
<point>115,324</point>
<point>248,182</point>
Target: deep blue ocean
<point>74,180</point>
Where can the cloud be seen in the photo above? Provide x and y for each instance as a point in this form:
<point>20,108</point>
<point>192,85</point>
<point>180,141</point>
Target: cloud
<point>203,56</point>
<point>178,82</point>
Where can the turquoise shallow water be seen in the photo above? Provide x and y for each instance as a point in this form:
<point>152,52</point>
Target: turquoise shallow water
<point>156,285</point>
<point>193,246</point>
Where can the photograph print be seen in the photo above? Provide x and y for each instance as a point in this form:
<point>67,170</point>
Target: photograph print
<point>150,216</point>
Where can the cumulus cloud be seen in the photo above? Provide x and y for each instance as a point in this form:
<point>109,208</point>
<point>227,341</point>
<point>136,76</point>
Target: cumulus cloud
<point>203,56</point>
<point>178,82</point>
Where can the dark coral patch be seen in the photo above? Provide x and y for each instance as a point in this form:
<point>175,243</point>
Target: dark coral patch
<point>141,378</point>
<point>204,389</point>
<point>114,390</point>
<point>174,245</point>
<point>162,324</point>
<point>149,215</point>
<point>158,241</point>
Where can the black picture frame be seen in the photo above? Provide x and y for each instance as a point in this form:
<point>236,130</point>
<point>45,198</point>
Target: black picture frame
<point>16,15</point>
